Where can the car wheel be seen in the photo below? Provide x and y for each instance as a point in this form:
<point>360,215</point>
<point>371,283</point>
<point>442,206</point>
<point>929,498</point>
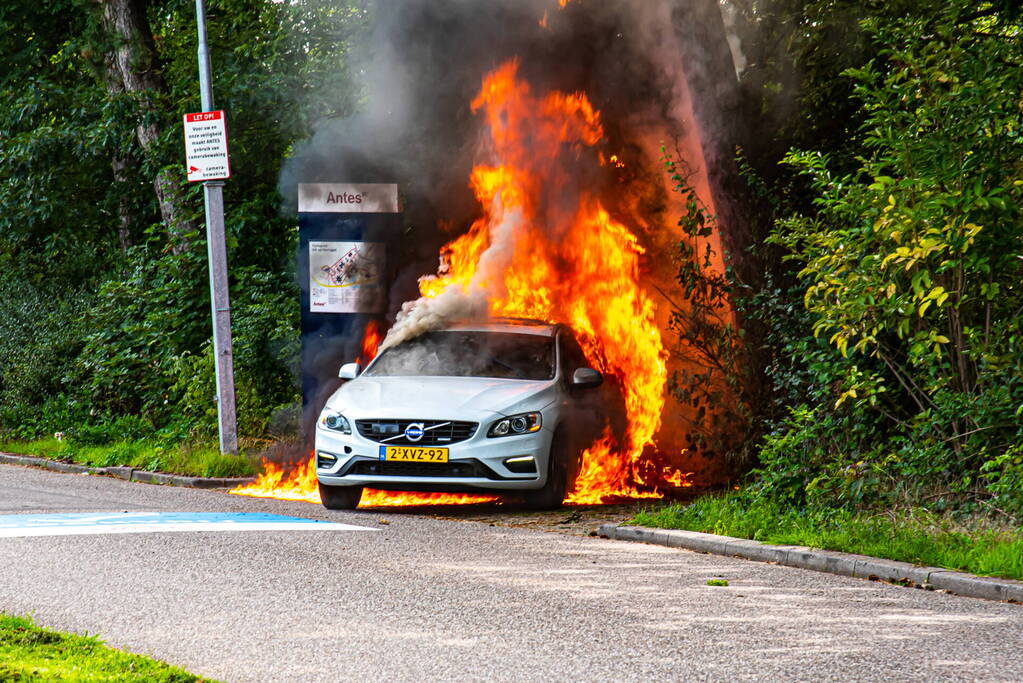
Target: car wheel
<point>340,497</point>
<point>552,495</point>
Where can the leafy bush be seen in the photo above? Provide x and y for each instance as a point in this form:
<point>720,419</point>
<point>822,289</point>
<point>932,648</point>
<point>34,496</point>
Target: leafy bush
<point>141,322</point>
<point>55,414</point>
<point>715,377</point>
<point>898,379</point>
<point>120,428</point>
<point>40,335</point>
<point>1003,475</point>
<point>265,354</point>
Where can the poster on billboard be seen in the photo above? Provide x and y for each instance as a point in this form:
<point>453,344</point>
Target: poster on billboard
<point>346,277</point>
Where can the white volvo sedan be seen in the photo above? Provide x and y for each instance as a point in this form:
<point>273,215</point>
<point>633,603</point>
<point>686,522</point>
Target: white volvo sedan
<point>495,406</point>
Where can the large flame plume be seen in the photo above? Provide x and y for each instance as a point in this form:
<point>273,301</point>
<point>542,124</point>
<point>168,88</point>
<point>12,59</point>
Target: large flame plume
<point>545,247</point>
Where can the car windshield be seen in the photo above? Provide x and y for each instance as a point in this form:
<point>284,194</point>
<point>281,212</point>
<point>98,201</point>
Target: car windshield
<point>505,355</point>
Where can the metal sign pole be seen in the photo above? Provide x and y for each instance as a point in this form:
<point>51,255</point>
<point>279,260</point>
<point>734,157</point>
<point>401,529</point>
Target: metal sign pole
<point>217,252</point>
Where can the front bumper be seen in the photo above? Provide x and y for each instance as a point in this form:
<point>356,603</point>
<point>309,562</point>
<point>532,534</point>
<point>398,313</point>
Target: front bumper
<point>477,464</point>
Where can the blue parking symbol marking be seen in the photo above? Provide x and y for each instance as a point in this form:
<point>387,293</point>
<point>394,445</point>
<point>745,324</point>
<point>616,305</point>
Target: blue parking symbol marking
<point>82,523</point>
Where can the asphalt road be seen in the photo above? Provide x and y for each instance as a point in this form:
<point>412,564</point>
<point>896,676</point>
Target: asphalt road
<point>432,599</point>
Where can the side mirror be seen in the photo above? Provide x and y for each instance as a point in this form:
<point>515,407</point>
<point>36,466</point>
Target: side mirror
<point>585,378</point>
<point>349,371</point>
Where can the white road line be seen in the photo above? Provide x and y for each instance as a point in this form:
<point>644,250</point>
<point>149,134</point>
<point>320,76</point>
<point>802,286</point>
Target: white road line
<point>79,523</point>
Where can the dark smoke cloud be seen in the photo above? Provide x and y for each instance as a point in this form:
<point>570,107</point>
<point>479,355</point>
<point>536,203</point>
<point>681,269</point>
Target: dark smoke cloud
<point>424,62</point>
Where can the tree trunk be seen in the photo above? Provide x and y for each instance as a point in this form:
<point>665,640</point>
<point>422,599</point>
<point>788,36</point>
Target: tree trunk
<point>121,164</point>
<point>132,62</point>
<point>717,107</point>
<point>722,121</point>
<point>123,169</point>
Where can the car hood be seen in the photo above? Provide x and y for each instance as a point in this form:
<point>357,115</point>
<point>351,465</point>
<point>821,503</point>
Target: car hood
<point>439,398</point>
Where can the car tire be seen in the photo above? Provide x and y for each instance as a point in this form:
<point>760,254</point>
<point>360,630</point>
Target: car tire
<point>552,494</point>
<point>340,497</point>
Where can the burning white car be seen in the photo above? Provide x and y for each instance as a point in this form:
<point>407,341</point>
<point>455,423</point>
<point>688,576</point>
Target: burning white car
<point>499,406</point>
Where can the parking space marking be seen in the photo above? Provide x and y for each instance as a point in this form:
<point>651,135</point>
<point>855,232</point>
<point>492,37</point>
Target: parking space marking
<point>82,523</point>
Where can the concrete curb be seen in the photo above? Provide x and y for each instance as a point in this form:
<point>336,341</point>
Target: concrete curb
<point>126,473</point>
<point>845,564</point>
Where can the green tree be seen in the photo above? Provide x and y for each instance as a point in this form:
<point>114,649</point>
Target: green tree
<point>104,307</point>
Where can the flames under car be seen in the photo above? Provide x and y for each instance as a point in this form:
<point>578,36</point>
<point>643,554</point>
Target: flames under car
<point>487,406</point>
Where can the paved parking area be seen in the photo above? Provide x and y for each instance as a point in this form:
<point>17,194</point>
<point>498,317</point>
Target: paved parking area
<point>434,599</point>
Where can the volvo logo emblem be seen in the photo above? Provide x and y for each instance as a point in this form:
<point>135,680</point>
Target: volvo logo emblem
<point>414,432</point>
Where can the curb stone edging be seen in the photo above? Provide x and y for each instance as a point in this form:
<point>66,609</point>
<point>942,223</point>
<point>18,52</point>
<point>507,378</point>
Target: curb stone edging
<point>126,473</point>
<point>829,561</point>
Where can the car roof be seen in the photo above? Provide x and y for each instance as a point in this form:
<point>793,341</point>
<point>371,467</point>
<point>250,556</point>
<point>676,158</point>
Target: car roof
<point>514,325</point>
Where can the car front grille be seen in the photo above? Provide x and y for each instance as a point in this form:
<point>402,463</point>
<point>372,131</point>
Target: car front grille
<point>467,469</point>
<point>435,432</point>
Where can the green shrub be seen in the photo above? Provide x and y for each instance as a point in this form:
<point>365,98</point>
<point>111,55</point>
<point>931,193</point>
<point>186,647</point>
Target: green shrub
<point>41,332</point>
<point>264,325</point>
<point>120,428</point>
<point>55,414</point>
<point>1003,475</point>
<point>903,377</point>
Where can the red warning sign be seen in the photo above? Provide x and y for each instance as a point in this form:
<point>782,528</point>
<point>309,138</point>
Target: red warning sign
<point>206,146</point>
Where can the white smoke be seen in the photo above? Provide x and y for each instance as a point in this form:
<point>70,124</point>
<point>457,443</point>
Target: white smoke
<point>424,315</point>
<point>458,303</point>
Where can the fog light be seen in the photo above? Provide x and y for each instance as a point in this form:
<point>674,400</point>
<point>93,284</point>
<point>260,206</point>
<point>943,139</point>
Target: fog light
<point>522,464</point>
<point>325,461</point>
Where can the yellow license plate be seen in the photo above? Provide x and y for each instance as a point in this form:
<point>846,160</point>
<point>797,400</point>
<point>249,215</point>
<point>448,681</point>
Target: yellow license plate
<point>413,454</point>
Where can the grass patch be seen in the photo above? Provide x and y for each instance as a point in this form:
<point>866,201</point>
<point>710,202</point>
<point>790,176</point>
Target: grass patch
<point>31,653</point>
<point>917,536</point>
<point>195,460</point>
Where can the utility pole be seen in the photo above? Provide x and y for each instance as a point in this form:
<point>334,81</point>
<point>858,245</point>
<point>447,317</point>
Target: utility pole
<point>220,301</point>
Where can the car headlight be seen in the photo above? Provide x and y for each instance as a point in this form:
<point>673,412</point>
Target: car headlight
<point>524,423</point>
<point>335,421</point>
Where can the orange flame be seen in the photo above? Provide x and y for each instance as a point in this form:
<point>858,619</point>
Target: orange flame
<point>371,339</point>
<point>373,498</point>
<point>676,478</point>
<point>570,260</point>
<point>299,483</point>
